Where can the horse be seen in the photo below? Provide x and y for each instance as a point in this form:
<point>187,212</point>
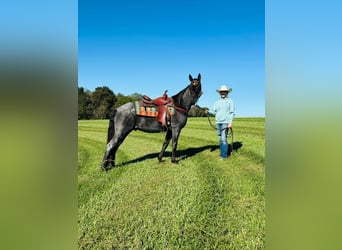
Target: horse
<point>126,119</point>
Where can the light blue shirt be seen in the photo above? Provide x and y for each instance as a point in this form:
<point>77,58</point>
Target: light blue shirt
<point>224,110</point>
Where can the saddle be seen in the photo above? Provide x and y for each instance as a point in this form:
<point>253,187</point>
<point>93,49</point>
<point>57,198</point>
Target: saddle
<point>160,107</point>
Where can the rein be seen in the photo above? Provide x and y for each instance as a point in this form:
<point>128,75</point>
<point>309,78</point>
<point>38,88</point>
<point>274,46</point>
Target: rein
<point>212,124</point>
<point>228,129</point>
<point>180,109</point>
<point>214,127</point>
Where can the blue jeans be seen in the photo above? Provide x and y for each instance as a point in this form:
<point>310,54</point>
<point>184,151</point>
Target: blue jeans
<point>222,134</point>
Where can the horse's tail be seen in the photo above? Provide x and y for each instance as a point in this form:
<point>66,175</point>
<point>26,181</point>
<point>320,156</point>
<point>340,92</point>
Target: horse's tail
<point>111,128</point>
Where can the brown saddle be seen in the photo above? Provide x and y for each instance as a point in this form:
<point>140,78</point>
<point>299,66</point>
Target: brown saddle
<point>162,103</point>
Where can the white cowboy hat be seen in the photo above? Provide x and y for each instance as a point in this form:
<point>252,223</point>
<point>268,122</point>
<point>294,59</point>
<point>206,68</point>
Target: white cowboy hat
<point>224,88</point>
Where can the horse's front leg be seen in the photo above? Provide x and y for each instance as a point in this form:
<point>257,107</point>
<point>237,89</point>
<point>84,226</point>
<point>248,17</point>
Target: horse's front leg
<point>165,144</point>
<point>175,136</point>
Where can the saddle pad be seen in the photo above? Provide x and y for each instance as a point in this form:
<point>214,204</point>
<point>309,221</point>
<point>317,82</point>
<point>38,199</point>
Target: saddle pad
<point>150,110</point>
<point>144,110</point>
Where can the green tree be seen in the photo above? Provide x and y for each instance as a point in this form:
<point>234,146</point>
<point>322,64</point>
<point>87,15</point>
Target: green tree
<point>103,99</point>
<point>136,96</point>
<point>85,106</point>
<point>122,99</point>
<point>196,111</point>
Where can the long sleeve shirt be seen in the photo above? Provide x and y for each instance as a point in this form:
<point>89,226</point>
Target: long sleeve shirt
<point>224,110</point>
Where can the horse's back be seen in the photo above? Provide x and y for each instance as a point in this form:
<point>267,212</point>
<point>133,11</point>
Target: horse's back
<point>127,107</point>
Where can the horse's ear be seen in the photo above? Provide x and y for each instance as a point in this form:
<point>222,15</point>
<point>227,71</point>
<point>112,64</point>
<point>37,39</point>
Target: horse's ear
<point>199,77</point>
<point>190,78</point>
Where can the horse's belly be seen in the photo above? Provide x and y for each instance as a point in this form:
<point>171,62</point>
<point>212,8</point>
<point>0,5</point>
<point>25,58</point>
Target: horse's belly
<point>148,124</point>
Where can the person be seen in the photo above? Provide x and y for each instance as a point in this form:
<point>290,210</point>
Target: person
<point>224,112</point>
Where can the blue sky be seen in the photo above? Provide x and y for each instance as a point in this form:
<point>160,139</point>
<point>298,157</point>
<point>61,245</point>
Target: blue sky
<point>151,46</point>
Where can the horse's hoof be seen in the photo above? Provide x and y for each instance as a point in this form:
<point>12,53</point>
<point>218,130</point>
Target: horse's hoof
<point>174,161</point>
<point>104,168</point>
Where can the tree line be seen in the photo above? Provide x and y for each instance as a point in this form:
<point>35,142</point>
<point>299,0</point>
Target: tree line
<point>100,103</point>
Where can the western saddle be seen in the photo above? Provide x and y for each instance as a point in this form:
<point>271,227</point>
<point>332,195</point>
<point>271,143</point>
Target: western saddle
<point>162,103</point>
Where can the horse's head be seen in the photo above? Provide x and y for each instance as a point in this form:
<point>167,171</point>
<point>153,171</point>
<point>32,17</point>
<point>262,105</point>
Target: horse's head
<point>196,81</point>
<point>189,96</point>
<point>195,87</point>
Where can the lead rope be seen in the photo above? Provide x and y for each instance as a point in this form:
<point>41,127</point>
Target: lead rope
<point>229,129</point>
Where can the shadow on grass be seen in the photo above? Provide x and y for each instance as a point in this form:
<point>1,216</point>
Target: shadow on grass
<point>180,154</point>
<point>236,146</point>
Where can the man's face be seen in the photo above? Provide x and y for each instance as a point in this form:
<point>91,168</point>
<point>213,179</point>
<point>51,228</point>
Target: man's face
<point>223,94</point>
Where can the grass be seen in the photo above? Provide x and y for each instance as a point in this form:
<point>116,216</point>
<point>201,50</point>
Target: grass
<point>200,203</point>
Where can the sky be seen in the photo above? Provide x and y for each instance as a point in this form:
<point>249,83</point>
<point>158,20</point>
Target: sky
<point>148,47</point>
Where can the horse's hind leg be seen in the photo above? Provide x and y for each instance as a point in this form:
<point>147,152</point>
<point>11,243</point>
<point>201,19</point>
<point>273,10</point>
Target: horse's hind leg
<point>121,124</point>
<point>111,148</point>
<point>112,157</point>
<point>109,156</point>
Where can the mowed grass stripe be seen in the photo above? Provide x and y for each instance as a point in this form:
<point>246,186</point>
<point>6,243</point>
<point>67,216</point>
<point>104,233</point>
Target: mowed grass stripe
<point>246,194</point>
<point>200,203</point>
<point>95,136</point>
<point>173,188</point>
<point>233,204</point>
<point>90,149</point>
<point>247,131</point>
<point>91,178</point>
<point>206,225</point>
<point>141,202</point>
<point>146,146</point>
<point>93,128</point>
<point>139,146</point>
<point>244,207</point>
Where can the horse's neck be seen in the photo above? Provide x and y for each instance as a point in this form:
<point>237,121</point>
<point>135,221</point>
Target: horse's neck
<point>180,101</point>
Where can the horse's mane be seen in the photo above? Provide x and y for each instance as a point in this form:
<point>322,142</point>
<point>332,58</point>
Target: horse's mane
<point>184,102</point>
<point>178,97</point>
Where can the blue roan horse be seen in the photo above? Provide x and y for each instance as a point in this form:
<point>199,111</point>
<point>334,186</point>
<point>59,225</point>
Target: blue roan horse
<point>125,119</point>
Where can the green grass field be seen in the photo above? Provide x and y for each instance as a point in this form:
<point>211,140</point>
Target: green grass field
<point>200,203</point>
